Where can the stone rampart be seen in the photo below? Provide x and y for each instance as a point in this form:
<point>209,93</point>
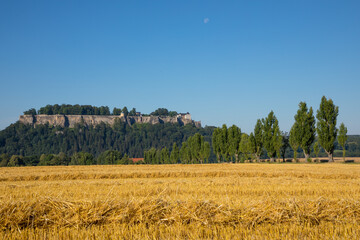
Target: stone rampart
<point>92,120</point>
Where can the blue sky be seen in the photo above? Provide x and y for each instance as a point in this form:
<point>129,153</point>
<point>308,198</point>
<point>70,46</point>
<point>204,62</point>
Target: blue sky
<point>226,62</point>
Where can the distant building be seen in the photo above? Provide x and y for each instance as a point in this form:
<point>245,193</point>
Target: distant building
<point>186,116</point>
<point>135,160</point>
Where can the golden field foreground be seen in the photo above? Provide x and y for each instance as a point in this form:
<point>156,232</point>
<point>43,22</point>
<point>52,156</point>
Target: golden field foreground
<point>211,201</point>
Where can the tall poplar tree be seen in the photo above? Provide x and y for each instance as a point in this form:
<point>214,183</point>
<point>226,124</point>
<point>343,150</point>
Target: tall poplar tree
<point>216,143</point>
<point>183,153</point>
<point>272,135</point>
<point>224,143</point>
<point>342,138</point>
<point>257,140</point>
<point>245,146</point>
<point>205,151</point>
<point>326,125</point>
<point>294,141</point>
<point>234,138</point>
<point>174,155</point>
<point>165,158</point>
<point>304,128</point>
<point>195,143</point>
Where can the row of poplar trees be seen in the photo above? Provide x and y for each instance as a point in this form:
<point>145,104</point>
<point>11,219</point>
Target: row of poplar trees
<point>193,150</point>
<point>230,143</point>
<point>303,132</point>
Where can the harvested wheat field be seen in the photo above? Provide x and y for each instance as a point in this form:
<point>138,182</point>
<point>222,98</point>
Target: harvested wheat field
<point>213,201</point>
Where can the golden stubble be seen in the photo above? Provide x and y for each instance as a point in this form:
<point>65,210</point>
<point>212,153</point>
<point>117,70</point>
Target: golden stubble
<point>212,201</point>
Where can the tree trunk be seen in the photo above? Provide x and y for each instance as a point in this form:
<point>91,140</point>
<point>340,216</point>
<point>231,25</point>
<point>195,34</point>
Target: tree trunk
<point>306,156</point>
<point>218,157</point>
<point>236,158</point>
<point>272,159</point>
<point>331,159</point>
<point>295,156</point>
<point>258,158</point>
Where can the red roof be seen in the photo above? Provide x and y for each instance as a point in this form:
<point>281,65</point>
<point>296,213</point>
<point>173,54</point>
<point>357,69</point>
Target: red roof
<point>137,159</point>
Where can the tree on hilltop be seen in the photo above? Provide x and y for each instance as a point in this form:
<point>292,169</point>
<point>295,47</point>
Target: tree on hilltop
<point>160,112</point>
<point>31,111</point>
<point>132,112</point>
<point>125,111</point>
<point>173,113</point>
<point>116,111</point>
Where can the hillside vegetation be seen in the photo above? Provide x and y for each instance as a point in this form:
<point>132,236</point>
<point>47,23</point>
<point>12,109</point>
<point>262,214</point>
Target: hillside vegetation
<point>116,142</point>
<point>25,140</point>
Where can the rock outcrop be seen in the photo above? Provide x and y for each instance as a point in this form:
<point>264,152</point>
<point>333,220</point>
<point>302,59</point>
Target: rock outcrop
<point>92,120</point>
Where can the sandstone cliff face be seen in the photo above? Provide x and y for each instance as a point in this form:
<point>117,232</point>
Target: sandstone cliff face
<point>55,120</point>
<point>92,120</point>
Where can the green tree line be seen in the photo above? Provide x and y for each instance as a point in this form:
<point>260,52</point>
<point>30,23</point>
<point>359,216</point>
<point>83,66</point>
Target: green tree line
<point>68,109</point>
<point>194,150</point>
<point>109,157</point>
<point>172,143</point>
<point>230,145</point>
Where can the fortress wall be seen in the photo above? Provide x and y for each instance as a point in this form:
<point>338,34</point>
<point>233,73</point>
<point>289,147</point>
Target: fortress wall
<point>55,120</point>
<point>92,120</point>
<point>197,124</point>
<point>26,119</point>
<point>145,119</point>
<point>170,119</point>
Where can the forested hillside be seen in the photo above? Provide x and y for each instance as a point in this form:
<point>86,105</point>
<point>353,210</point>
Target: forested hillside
<point>115,143</point>
<point>26,140</point>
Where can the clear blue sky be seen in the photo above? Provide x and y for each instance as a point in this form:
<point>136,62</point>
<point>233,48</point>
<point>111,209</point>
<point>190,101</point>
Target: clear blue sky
<point>223,61</point>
